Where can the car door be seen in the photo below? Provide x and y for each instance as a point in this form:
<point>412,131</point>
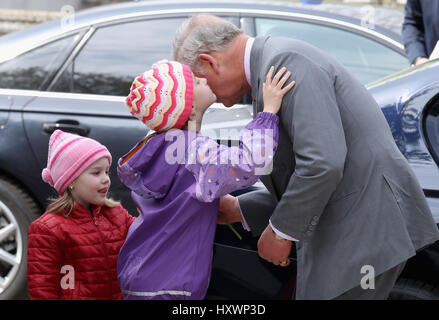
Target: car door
<point>21,77</point>
<point>367,57</point>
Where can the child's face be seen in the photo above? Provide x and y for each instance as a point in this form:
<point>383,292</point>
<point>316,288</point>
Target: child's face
<point>91,187</point>
<point>203,95</point>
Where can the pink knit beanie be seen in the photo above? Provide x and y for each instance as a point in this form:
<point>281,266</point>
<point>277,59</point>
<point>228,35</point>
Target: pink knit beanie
<point>162,97</point>
<point>69,155</point>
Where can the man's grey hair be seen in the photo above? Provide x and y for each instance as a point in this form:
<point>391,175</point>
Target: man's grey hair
<point>202,34</point>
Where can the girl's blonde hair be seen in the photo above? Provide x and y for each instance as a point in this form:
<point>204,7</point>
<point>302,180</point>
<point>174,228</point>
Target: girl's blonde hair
<point>65,204</point>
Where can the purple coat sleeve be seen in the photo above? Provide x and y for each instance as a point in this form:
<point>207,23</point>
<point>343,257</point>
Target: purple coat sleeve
<point>219,170</point>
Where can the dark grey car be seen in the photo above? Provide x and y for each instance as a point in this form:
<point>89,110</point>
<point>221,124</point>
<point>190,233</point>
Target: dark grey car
<point>75,78</point>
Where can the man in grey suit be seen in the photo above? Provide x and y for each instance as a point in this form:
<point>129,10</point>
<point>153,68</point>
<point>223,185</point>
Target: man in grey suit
<point>340,189</point>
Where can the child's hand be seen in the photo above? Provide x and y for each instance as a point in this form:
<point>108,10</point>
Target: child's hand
<point>273,91</point>
<point>229,207</point>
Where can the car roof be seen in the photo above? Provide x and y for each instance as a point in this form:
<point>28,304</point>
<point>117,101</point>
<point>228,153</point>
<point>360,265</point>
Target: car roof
<point>32,36</point>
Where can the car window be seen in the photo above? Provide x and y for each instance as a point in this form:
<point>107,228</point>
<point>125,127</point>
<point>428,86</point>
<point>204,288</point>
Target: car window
<point>367,59</point>
<point>29,70</point>
<point>116,54</point>
<point>432,129</point>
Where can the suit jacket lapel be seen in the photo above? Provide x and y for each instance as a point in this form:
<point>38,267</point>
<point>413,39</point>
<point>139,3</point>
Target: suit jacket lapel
<point>255,65</point>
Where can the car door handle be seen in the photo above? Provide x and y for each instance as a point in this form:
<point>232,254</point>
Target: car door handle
<point>68,126</point>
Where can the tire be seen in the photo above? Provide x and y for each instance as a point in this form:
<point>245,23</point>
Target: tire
<point>17,211</point>
<point>408,289</point>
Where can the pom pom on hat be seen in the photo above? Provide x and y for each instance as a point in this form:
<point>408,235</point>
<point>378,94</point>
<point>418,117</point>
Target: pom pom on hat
<point>162,97</point>
<point>47,177</point>
<point>69,155</point>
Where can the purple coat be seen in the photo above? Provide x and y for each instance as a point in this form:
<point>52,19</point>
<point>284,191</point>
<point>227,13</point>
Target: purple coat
<point>176,180</point>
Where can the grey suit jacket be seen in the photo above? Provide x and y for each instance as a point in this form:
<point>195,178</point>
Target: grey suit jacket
<point>339,183</point>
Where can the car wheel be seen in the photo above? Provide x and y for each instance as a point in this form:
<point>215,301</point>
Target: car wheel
<point>17,211</point>
<point>408,289</point>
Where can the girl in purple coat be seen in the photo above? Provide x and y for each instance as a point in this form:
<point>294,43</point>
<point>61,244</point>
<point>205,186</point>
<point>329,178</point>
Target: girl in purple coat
<point>178,176</point>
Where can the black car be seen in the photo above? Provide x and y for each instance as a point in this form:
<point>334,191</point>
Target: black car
<point>75,78</point>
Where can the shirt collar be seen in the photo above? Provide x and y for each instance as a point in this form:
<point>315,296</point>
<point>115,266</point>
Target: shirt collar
<point>248,49</point>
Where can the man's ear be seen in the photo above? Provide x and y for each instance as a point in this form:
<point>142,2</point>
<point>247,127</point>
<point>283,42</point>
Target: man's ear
<point>210,64</point>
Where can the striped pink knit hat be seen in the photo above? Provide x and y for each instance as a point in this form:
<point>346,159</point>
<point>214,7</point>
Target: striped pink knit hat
<point>69,155</point>
<point>162,97</point>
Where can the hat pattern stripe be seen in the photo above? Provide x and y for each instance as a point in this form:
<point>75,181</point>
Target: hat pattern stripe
<point>181,96</point>
<point>176,85</point>
<point>58,152</point>
<point>53,145</point>
<point>81,165</point>
<point>166,101</point>
<point>131,97</point>
<point>61,140</point>
<point>186,111</point>
<point>157,99</point>
<point>54,138</point>
<point>146,91</point>
<point>179,101</point>
<point>139,95</point>
<point>149,91</point>
<point>168,105</point>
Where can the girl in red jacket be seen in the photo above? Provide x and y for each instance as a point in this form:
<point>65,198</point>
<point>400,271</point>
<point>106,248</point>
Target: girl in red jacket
<point>73,246</point>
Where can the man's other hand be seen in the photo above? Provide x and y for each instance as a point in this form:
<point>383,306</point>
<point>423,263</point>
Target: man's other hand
<point>420,60</point>
<point>273,249</point>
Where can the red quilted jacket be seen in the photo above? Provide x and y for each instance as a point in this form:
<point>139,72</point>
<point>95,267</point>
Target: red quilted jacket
<point>82,247</point>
